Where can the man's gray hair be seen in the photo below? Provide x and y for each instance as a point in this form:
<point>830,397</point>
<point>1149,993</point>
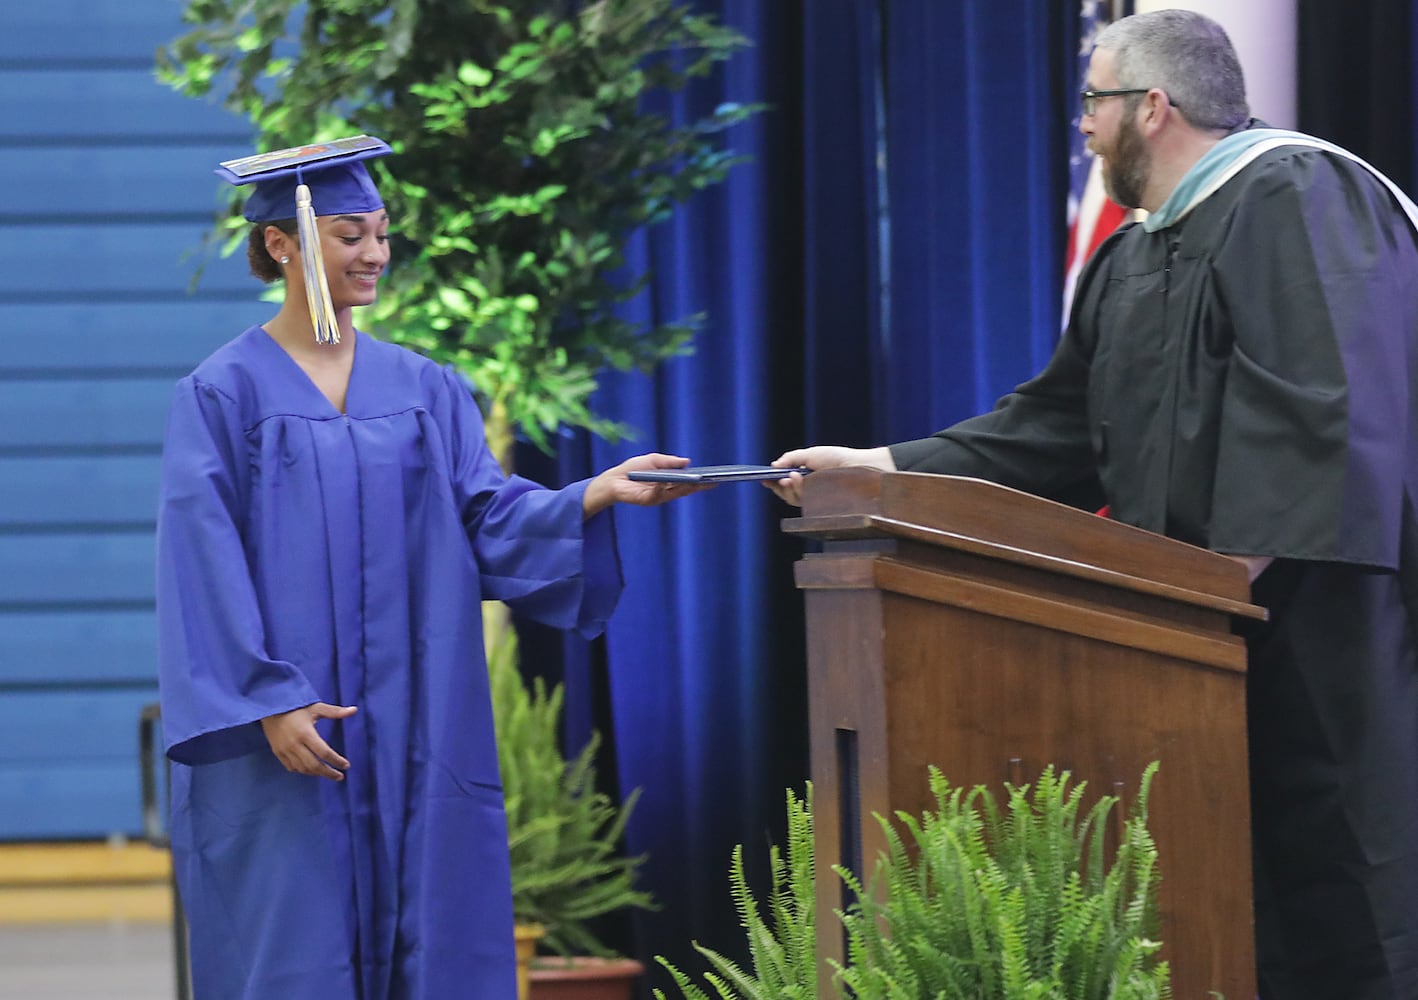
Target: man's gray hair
<point>1185,54</point>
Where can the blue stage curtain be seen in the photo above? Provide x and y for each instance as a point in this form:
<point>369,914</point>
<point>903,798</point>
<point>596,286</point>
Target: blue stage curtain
<point>703,697</point>
<point>977,111</point>
<point>844,292</point>
<point>885,263</point>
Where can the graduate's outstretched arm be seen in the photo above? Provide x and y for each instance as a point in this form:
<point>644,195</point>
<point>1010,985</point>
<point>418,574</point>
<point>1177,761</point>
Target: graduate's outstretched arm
<point>821,457</point>
<point>296,743</point>
<point>614,485</point>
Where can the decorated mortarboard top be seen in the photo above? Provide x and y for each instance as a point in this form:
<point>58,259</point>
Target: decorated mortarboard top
<point>327,178</point>
<point>334,171</point>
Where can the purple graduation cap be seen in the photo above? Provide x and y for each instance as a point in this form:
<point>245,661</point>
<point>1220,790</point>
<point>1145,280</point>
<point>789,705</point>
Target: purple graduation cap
<point>327,178</point>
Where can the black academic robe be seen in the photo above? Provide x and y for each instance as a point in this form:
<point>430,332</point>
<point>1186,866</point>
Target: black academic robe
<point>1245,381</point>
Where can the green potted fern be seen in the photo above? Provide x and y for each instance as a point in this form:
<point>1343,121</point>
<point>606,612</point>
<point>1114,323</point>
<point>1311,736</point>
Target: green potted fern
<point>568,867</point>
<point>970,900</point>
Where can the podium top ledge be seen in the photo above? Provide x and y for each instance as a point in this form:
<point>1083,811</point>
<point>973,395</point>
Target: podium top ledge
<point>959,512</point>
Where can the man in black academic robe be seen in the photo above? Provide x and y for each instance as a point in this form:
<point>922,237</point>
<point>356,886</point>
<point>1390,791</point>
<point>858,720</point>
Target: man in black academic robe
<point>1239,373</point>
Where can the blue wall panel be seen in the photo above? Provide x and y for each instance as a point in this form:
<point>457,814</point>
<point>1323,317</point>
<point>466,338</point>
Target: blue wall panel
<point>84,261</point>
<point>106,104</point>
<point>51,31</point>
<point>73,799</point>
<point>52,182</point>
<point>94,568</point>
<point>52,726</point>
<point>103,337</point>
<point>66,649</point>
<point>52,491</point>
<point>79,413</point>
<point>69,762</point>
<point>106,191</point>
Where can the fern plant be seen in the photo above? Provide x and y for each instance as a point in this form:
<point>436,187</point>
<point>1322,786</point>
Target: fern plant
<point>975,901</point>
<point>564,836</point>
<point>784,952</point>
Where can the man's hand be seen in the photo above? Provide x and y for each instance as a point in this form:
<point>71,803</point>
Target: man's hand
<point>299,747</point>
<point>821,457</point>
<point>613,486</point>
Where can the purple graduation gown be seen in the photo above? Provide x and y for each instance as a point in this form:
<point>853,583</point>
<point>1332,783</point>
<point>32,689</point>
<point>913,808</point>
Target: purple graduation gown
<point>307,555</point>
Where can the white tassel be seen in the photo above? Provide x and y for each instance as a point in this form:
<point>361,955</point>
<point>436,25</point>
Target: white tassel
<point>317,290</point>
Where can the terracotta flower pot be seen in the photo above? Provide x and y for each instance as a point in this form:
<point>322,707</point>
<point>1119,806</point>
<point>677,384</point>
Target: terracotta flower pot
<point>584,978</point>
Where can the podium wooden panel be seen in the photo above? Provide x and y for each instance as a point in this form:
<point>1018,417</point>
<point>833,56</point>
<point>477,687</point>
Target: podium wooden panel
<point>962,624</point>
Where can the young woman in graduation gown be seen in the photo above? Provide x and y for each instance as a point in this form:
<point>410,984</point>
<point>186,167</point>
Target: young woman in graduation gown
<point>331,520</point>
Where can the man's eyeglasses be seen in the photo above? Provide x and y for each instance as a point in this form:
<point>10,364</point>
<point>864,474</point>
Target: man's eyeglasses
<point>1089,98</point>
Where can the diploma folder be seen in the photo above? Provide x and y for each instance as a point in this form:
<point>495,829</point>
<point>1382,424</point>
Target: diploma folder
<point>712,474</point>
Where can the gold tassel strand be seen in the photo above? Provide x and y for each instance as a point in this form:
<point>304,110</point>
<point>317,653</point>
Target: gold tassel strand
<point>317,290</point>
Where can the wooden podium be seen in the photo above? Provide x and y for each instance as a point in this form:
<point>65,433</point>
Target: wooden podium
<point>958,623</point>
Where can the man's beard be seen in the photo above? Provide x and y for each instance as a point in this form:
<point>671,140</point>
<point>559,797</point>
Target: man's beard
<point>1125,171</point>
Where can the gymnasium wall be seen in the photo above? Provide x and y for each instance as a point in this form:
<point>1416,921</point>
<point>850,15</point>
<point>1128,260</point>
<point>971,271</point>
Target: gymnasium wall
<point>106,190</point>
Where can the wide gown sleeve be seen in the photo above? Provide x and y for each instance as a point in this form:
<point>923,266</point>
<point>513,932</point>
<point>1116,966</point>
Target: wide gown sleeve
<point>1036,439</point>
<point>215,678</point>
<point>1317,277</point>
<point>534,547</point>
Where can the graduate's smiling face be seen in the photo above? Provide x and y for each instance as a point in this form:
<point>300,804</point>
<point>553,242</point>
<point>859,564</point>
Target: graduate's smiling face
<point>356,251</point>
<point>1113,134</point>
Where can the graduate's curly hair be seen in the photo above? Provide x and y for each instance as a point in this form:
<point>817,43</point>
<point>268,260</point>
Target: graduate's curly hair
<point>262,266</point>
<point>1186,54</point>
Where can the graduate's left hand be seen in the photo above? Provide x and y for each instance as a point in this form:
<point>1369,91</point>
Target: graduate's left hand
<point>613,486</point>
<point>300,747</point>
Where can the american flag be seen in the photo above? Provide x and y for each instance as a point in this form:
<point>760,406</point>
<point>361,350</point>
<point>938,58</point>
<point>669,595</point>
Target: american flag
<point>1091,216</point>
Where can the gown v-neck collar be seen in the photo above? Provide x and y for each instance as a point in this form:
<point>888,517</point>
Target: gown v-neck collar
<point>301,381</point>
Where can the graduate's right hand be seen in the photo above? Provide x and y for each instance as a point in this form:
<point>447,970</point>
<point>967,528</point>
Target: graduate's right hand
<point>299,747</point>
<point>821,457</point>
